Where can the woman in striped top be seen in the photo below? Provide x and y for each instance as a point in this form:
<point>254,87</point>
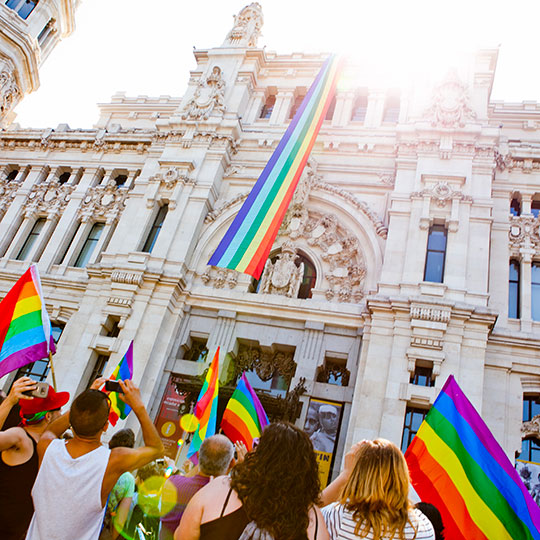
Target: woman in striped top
<point>374,502</point>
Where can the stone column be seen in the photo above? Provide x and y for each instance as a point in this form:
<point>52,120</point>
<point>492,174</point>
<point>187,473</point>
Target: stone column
<point>222,337</point>
<point>375,108</point>
<point>310,354</point>
<point>257,102</point>
<point>282,107</point>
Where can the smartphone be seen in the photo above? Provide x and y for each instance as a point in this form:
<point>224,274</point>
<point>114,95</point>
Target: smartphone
<point>40,391</point>
<point>113,386</point>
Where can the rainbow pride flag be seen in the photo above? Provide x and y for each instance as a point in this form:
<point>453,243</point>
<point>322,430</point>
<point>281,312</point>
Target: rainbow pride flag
<point>206,407</point>
<point>248,241</point>
<point>123,371</point>
<point>244,418</point>
<point>25,328</point>
<point>456,464</point>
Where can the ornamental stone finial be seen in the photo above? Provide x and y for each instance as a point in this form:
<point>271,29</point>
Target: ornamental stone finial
<point>247,27</point>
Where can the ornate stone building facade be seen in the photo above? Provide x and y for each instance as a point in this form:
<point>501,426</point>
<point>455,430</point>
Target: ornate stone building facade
<point>29,31</point>
<point>410,250</point>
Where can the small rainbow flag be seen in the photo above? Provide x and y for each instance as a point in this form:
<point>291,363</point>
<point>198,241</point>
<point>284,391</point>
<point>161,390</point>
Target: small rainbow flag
<point>248,241</point>
<point>123,371</point>
<point>456,464</point>
<point>244,418</point>
<point>206,407</point>
<point>25,328</point>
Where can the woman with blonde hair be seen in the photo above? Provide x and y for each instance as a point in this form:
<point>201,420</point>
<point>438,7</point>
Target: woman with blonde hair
<point>374,503</point>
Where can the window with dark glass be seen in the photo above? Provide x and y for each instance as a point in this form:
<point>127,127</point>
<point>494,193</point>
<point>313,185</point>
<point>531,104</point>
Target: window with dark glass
<point>391,110</point>
<point>535,208</point>
<point>513,290</point>
<point>64,177</point>
<point>31,239</point>
<point>120,179</point>
<point>530,448</point>
<point>89,245</point>
<point>111,326</point>
<point>436,254</point>
<point>331,109</point>
<point>98,369</point>
<point>515,207</point>
<point>422,376</point>
<point>155,230</point>
<point>296,105</point>
<point>12,175</point>
<point>268,107</point>
<point>359,109</point>
<point>197,351</point>
<point>22,7</point>
<point>535,290</point>
<point>413,418</point>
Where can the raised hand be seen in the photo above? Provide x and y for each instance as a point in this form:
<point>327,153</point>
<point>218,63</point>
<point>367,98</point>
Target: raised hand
<point>24,384</point>
<point>131,395</point>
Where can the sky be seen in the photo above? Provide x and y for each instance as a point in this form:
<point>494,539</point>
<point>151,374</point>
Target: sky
<point>145,47</point>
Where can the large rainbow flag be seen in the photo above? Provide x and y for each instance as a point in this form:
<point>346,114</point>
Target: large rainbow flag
<point>244,418</point>
<point>456,464</point>
<point>206,407</point>
<point>249,239</point>
<point>25,328</point>
<point>123,371</point>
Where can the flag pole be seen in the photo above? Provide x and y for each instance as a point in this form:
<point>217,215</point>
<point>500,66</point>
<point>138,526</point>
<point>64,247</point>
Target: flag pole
<point>52,370</point>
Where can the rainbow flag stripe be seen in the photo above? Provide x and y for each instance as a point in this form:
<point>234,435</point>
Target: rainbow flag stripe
<point>456,464</point>
<point>25,328</point>
<point>248,241</point>
<point>123,371</point>
<point>244,418</point>
<point>206,407</point>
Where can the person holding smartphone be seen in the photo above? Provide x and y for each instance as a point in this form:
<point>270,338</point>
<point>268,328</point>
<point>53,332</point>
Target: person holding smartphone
<point>19,459</point>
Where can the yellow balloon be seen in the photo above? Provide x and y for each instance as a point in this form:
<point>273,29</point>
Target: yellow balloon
<point>189,423</point>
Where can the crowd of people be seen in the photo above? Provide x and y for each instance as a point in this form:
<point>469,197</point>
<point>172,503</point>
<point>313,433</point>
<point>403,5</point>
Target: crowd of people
<point>58,481</point>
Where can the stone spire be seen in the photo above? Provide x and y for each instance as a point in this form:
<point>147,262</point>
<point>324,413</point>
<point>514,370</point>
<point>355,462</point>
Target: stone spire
<point>247,27</point>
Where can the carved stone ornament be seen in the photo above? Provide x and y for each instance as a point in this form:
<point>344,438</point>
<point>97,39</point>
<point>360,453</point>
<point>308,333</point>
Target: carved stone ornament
<point>265,364</point>
<point>219,277</point>
<point>441,193</point>
<point>171,177</point>
<point>531,429</point>
<point>247,27</point>
<point>103,202</point>
<point>450,105</point>
<point>8,190</point>
<point>283,277</point>
<point>524,233</point>
<point>208,98</point>
<point>49,197</point>
<point>10,92</point>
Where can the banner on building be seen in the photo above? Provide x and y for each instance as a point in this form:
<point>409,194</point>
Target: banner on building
<point>168,418</point>
<point>322,424</point>
<point>530,474</point>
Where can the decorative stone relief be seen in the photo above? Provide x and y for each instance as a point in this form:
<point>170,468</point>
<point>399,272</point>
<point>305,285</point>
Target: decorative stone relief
<point>128,278</point>
<point>48,197</point>
<point>450,104</point>
<point>265,364</point>
<point>531,429</point>
<point>426,313</point>
<point>219,277</point>
<point>10,93</point>
<point>524,233</point>
<point>214,214</point>
<point>171,177</point>
<point>103,202</point>
<point>209,96</point>
<point>282,277</point>
<point>441,193</point>
<point>8,190</point>
<point>247,27</point>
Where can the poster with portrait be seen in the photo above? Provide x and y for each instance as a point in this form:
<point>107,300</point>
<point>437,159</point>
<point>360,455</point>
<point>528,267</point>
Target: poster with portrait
<point>322,424</point>
<point>530,475</point>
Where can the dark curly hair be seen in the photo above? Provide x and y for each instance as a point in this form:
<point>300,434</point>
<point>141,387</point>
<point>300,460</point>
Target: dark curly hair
<point>279,482</point>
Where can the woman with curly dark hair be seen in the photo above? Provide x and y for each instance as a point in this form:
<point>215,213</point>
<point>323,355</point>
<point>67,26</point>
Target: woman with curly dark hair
<point>271,495</point>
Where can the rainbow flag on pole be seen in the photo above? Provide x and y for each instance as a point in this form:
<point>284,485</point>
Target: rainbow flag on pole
<point>123,371</point>
<point>456,464</point>
<point>249,239</point>
<point>244,418</point>
<point>25,328</point>
<point>206,407</point>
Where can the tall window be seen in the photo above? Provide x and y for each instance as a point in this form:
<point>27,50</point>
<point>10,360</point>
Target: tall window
<point>331,109</point>
<point>413,418</point>
<point>391,110</point>
<point>22,7</point>
<point>12,175</point>
<point>359,109</point>
<point>156,228</point>
<point>64,177</point>
<point>530,448</point>
<point>296,105</point>
<point>436,254</point>
<point>99,368</point>
<point>31,239</point>
<point>120,179</point>
<point>268,107</point>
<point>515,207</point>
<point>513,290</point>
<point>535,290</point>
<point>89,245</point>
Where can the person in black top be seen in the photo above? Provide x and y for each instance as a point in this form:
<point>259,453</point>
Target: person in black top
<point>18,457</point>
<point>272,494</point>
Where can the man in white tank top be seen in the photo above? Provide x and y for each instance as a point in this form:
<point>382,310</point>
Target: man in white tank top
<point>76,477</point>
